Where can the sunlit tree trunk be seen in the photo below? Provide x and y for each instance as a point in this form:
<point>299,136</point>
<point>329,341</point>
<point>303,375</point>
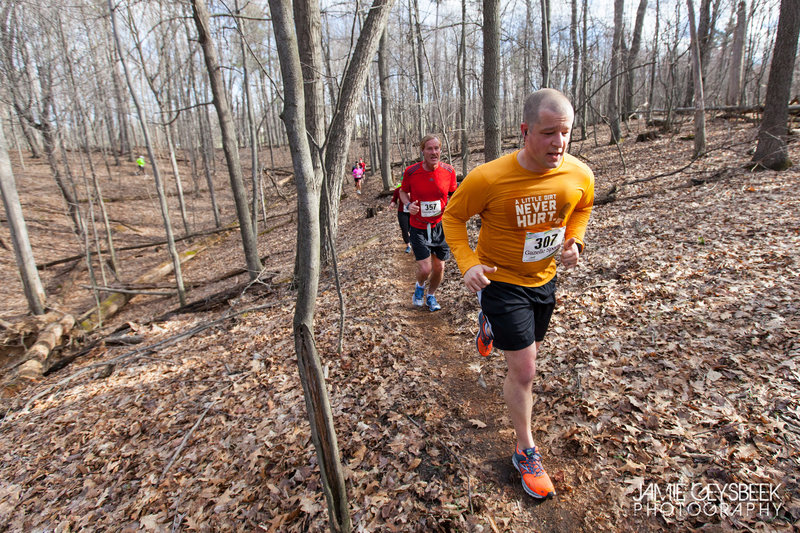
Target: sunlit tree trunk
<point>386,112</point>
<point>491,79</point>
<point>736,70</point>
<point>699,101</point>
<point>650,95</point>
<point>420,78</point>
<point>772,151</point>
<point>462,90</point>
<point>255,172</point>
<point>229,145</point>
<point>308,245</point>
<point>613,85</point>
<point>584,74</point>
<point>633,53</point>
<point>545,42</point>
<point>341,127</point>
<point>26,264</point>
<point>576,50</point>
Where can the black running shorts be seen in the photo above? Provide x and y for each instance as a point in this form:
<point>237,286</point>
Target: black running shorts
<point>426,242</point>
<point>519,315</point>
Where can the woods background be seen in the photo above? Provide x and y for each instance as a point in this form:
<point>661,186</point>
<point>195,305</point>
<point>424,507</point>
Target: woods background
<point>247,117</point>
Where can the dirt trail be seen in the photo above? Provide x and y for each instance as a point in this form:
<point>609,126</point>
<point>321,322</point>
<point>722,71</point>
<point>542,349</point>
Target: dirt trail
<point>473,391</point>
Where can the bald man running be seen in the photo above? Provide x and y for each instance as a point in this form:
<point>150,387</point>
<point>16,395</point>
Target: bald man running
<point>534,203</point>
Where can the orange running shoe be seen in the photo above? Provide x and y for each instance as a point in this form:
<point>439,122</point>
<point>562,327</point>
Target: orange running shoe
<point>484,340</point>
<point>535,480</point>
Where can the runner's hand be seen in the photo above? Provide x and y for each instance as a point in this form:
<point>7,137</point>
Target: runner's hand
<point>413,207</point>
<point>569,254</point>
<point>475,278</point>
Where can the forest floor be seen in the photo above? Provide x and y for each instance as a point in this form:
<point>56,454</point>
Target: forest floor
<point>667,397</point>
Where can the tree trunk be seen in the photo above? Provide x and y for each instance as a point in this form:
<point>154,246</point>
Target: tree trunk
<point>417,51</point>
<point>613,85</point>
<point>545,41</point>
<point>386,112</point>
<point>584,108</point>
<point>650,94</point>
<point>705,29</point>
<point>576,50</point>
<point>255,172</point>
<point>176,262</point>
<point>736,70</point>
<point>462,90</point>
<point>229,144</point>
<point>341,128</point>
<point>772,151</point>
<point>491,79</point>
<point>32,285</point>
<point>34,362</point>
<point>308,245</point>
<point>308,26</point>
<point>633,53</point>
<point>699,101</point>
<point>527,45</point>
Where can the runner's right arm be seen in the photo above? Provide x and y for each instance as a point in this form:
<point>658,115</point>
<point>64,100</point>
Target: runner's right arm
<point>468,200</point>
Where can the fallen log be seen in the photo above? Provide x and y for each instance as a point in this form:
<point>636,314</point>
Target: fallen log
<point>33,364</point>
<point>138,246</point>
<point>91,319</point>
<point>108,307</point>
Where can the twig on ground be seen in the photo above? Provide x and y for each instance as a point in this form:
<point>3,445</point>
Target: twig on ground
<point>185,440</point>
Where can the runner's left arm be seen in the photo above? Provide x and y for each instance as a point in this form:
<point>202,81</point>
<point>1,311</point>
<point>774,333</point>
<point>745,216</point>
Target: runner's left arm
<point>579,218</point>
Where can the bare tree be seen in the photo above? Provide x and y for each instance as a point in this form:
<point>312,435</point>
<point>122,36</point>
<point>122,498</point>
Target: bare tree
<point>654,64</point>
<point>736,70</point>
<point>26,78</point>
<point>386,112</point>
<point>31,284</point>
<point>491,79</point>
<point>613,85</point>
<point>229,145</point>
<point>162,200</point>
<point>576,50</point>
<point>308,244</point>
<point>416,49</point>
<point>545,42</point>
<point>633,53</point>
<point>462,89</point>
<point>699,101</point>
<point>255,171</point>
<point>341,127</point>
<point>771,151</point>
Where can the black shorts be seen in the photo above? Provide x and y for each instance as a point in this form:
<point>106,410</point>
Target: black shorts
<point>519,315</point>
<point>425,242</point>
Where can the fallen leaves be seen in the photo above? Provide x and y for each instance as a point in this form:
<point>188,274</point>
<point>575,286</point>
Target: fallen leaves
<point>673,355</point>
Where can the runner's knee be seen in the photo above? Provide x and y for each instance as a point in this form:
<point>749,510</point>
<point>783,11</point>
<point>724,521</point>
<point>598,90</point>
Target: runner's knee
<point>424,268</point>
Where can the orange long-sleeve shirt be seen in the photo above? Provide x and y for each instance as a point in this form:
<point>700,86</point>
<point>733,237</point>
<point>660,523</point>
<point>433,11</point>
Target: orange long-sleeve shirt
<point>525,217</point>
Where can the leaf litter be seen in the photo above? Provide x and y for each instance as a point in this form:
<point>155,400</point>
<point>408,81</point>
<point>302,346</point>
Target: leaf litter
<point>672,361</point>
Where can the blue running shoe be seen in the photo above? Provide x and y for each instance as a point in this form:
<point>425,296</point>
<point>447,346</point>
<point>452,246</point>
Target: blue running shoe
<point>433,305</point>
<point>484,340</point>
<point>419,296</point>
<point>535,480</point>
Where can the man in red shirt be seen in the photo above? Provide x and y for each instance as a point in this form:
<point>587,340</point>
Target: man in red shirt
<point>425,190</point>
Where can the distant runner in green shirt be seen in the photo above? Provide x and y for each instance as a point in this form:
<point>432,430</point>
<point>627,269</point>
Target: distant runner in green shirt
<point>140,164</point>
